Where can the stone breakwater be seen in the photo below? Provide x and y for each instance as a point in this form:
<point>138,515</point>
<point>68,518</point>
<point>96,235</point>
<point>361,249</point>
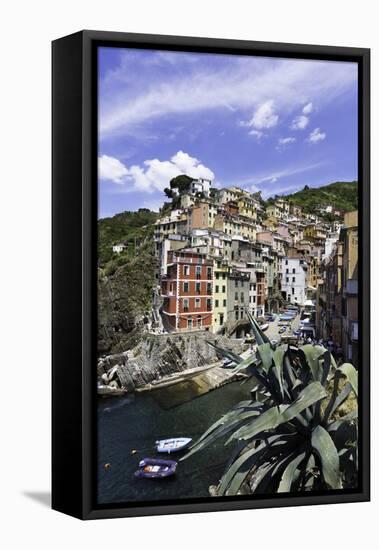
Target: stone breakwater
<point>159,358</point>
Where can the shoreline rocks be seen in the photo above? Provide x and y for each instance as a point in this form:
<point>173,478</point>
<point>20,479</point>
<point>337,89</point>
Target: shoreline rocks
<point>159,356</point>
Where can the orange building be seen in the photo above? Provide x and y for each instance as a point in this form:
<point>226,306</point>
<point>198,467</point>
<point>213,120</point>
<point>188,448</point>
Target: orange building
<point>187,291</point>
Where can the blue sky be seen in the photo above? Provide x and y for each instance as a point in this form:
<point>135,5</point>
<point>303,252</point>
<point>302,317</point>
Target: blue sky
<point>269,124</point>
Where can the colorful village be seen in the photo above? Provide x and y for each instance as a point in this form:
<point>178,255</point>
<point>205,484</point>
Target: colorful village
<point>221,253</point>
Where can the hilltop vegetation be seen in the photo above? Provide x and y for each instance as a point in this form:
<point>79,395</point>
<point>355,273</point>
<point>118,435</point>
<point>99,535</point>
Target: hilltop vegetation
<point>131,227</point>
<point>342,195</point>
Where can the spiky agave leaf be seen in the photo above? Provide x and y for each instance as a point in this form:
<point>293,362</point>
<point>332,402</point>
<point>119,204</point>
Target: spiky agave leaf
<point>337,397</point>
<point>326,450</point>
<point>265,354</point>
<point>291,384</point>
<point>260,336</point>
<point>231,421</point>
<point>224,352</point>
<point>351,374</point>
<point>274,417</point>
<point>239,469</point>
<point>311,355</point>
<point>289,473</point>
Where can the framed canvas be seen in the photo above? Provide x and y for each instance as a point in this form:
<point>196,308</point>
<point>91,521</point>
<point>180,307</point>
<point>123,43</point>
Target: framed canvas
<point>211,287</point>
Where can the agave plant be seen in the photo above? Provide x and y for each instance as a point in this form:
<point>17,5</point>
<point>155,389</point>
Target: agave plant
<point>290,436</point>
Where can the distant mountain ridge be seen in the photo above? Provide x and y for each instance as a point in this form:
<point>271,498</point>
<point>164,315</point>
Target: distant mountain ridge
<point>342,195</point>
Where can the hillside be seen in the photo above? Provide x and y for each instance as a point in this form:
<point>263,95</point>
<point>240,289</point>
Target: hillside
<point>341,195</point>
<point>125,280</point>
<point>132,227</point>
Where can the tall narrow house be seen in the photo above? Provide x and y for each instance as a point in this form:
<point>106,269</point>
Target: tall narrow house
<point>187,291</point>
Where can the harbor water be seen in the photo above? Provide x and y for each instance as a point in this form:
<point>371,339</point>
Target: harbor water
<point>129,426</point>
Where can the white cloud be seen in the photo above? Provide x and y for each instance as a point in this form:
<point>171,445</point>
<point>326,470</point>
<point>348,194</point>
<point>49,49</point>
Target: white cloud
<point>265,116</point>
<point>299,123</point>
<point>272,177</point>
<point>316,135</point>
<point>254,189</point>
<point>155,174</point>
<point>111,169</point>
<point>130,101</point>
<point>256,133</point>
<point>286,140</point>
<point>308,108</point>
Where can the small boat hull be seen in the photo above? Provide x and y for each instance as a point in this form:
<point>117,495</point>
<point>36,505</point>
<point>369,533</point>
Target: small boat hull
<point>155,468</point>
<point>172,445</point>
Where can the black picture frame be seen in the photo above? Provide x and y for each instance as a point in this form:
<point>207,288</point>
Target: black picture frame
<point>74,205</point>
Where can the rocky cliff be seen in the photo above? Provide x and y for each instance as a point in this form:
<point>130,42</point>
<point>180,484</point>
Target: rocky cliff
<point>124,303</point>
<point>158,356</point>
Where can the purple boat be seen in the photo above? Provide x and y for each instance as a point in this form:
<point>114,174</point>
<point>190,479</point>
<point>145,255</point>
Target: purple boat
<point>156,468</point>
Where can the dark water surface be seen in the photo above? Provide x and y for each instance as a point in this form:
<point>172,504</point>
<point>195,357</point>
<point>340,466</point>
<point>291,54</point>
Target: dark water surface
<point>136,422</point>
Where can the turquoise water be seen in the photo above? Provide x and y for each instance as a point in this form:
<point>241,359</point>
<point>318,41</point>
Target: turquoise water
<point>136,422</point>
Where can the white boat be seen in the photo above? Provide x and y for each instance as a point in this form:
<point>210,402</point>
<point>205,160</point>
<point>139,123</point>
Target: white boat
<point>172,445</point>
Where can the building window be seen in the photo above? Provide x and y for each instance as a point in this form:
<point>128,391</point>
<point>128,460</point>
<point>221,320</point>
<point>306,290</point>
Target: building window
<point>287,270</point>
<point>224,303</point>
<point>199,321</point>
<point>293,279</point>
<point>185,304</point>
<point>221,316</point>
<point>293,291</point>
<point>242,297</point>
<point>209,273</point>
<point>189,323</point>
<point>236,283</point>
<point>209,304</point>
<point>198,271</point>
<point>198,287</point>
<point>293,270</point>
<point>217,275</point>
<point>287,279</point>
<point>223,289</point>
<point>236,296</point>
<point>216,303</point>
<point>185,287</point>
<point>216,289</point>
<point>186,270</point>
<point>209,288</point>
<point>197,303</point>
<point>236,314</point>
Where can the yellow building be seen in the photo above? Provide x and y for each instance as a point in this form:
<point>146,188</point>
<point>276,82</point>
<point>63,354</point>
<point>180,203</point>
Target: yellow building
<point>236,225</point>
<point>314,231</point>
<point>273,212</point>
<point>248,208</point>
<point>220,285</point>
